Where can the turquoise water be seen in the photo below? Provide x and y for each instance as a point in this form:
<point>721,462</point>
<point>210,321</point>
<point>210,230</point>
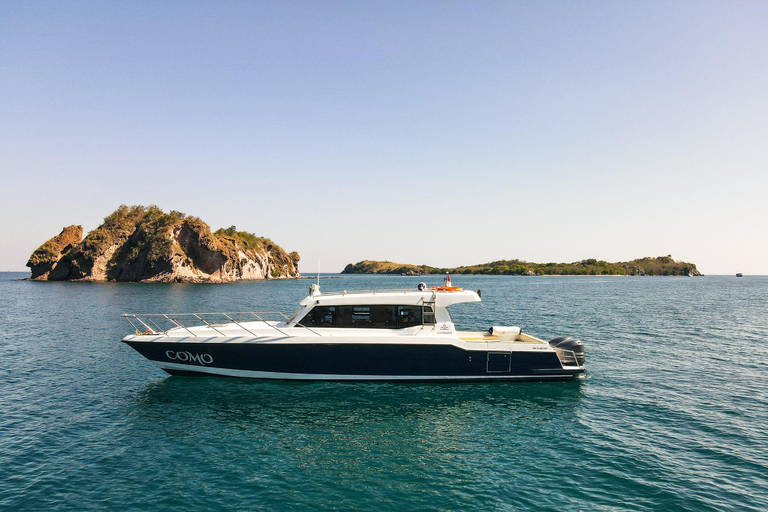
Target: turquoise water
<point>673,414</point>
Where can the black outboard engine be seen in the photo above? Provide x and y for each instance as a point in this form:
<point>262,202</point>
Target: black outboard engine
<point>569,350</point>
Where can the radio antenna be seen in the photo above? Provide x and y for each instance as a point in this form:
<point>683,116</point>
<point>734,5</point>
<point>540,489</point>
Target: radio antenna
<point>318,271</point>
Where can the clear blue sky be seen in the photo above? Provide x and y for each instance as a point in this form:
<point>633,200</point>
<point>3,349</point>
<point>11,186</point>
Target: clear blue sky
<point>444,133</point>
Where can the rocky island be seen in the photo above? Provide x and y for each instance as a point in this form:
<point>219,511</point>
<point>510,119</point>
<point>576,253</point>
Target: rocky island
<point>145,244</point>
<point>660,266</point>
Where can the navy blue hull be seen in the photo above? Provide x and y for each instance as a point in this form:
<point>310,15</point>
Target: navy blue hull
<point>364,361</point>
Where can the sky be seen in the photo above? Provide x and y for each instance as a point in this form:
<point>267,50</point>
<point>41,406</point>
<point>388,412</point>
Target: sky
<point>435,132</point>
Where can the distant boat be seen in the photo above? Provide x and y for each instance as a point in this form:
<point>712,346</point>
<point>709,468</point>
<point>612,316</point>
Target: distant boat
<point>739,274</point>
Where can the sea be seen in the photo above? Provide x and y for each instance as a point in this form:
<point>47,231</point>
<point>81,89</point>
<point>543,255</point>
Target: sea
<point>673,413</point>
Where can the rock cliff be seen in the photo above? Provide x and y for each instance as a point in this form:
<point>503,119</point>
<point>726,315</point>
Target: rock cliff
<point>47,255</point>
<point>148,245</point>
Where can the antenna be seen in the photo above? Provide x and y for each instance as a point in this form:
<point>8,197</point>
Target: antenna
<point>318,271</point>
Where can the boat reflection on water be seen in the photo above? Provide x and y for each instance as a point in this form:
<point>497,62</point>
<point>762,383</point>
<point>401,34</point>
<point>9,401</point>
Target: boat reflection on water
<point>428,446</point>
<point>300,406</point>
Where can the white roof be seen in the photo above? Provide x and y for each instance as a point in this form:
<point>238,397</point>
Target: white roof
<point>401,297</point>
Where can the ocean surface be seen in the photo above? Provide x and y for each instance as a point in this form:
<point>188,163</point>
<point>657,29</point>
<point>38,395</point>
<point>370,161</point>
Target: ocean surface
<point>672,416</point>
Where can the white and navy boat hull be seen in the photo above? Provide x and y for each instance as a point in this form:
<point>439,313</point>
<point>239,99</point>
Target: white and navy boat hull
<point>347,360</point>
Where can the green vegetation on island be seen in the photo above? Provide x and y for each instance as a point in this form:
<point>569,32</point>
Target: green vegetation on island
<point>659,266</point>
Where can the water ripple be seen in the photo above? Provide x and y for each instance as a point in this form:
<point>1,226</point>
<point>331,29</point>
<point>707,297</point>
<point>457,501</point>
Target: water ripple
<point>672,415</point>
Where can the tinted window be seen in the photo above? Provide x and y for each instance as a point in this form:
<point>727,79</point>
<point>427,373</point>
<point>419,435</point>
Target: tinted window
<point>408,316</point>
<point>370,317</point>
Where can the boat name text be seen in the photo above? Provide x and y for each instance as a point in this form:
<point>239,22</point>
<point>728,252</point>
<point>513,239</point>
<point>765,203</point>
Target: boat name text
<point>201,359</point>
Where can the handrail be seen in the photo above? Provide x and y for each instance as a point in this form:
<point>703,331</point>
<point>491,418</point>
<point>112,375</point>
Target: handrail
<point>393,290</point>
<point>563,360</point>
<point>149,322</point>
<point>262,320</point>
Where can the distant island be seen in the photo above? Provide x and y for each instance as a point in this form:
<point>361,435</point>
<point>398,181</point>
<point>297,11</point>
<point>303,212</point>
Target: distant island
<point>145,244</point>
<point>660,266</point>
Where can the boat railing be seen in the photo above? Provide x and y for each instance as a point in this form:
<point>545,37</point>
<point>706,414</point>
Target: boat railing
<point>567,357</point>
<point>221,323</point>
<point>379,290</point>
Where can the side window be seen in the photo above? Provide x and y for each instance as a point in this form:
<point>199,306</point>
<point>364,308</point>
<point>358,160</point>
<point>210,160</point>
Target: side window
<point>383,317</point>
<point>365,317</point>
<point>354,316</point>
<point>408,316</point>
<point>361,314</point>
<point>321,316</point>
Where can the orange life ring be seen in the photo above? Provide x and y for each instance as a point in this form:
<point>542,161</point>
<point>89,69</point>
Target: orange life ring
<point>447,289</point>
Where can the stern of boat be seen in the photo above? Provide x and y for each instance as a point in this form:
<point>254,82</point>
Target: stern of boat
<point>570,352</point>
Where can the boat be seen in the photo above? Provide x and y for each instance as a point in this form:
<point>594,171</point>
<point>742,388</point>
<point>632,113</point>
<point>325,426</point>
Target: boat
<point>739,274</point>
<point>375,335</point>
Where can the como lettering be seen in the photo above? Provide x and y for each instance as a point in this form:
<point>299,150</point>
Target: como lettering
<point>189,357</point>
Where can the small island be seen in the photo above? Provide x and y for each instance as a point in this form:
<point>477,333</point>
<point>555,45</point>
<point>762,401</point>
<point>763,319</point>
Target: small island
<point>145,244</point>
<point>659,266</point>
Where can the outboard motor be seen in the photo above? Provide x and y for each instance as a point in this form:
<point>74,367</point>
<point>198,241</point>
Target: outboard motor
<point>569,350</point>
